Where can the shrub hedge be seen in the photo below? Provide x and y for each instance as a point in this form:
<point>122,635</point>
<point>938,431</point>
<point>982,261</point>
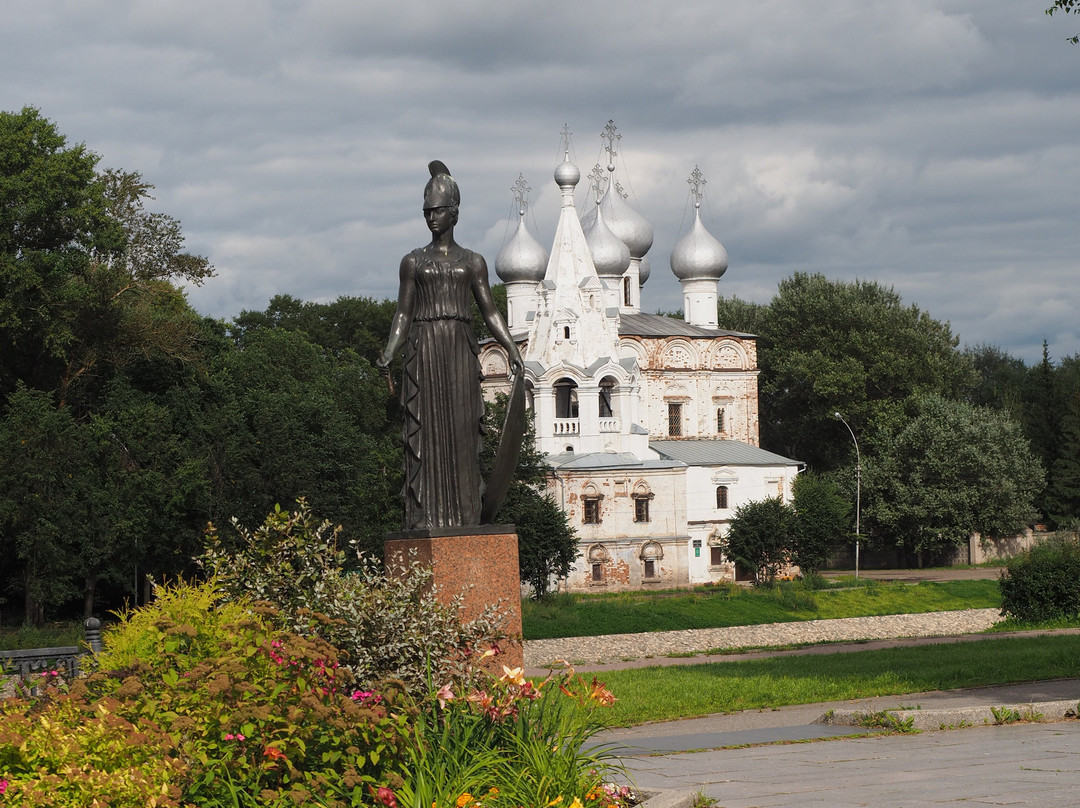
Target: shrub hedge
<point>1043,583</point>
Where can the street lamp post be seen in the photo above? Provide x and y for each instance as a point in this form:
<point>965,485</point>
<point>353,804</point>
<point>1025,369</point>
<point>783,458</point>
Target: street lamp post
<point>858,487</point>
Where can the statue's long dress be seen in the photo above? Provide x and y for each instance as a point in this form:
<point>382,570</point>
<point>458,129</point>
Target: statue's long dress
<point>442,400</point>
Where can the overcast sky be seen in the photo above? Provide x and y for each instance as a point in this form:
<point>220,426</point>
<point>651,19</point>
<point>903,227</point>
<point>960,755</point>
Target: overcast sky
<point>930,145</point>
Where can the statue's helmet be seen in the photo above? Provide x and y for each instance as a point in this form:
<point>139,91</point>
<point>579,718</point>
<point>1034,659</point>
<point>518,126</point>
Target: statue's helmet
<point>441,190</point>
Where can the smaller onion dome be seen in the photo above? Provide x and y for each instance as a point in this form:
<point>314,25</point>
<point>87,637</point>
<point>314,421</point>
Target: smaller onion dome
<point>609,254</point>
<point>567,175</point>
<point>644,270</point>
<point>521,258</point>
<point>697,255</point>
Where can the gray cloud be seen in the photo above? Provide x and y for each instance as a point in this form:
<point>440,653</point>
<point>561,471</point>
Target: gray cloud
<point>929,145</point>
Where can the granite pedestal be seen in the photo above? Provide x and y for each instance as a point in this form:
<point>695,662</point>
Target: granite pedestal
<point>479,563</point>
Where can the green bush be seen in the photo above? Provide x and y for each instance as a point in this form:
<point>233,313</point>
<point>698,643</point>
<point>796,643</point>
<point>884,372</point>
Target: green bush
<point>385,626</point>
<point>1043,583</point>
<point>251,712</point>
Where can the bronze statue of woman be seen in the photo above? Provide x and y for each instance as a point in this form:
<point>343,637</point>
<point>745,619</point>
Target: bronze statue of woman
<point>440,390</point>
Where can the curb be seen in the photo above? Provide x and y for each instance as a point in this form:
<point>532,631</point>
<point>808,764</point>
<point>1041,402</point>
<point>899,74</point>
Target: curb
<point>907,719</point>
<point>668,798</point>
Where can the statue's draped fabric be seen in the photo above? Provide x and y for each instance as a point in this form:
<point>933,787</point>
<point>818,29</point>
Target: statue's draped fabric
<point>442,400</point>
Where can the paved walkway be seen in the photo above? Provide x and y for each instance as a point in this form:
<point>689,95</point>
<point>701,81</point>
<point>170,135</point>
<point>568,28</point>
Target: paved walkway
<point>1019,764</point>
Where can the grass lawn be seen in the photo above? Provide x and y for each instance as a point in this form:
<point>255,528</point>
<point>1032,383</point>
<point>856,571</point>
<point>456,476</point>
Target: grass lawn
<point>567,615</point>
<point>665,693</point>
<point>49,636</point>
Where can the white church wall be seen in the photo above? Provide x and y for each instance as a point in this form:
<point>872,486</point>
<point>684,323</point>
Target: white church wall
<point>619,543</point>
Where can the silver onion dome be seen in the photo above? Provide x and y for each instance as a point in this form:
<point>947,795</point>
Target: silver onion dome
<point>521,258</point>
<point>567,175</point>
<point>630,226</point>
<point>609,254</point>
<point>697,255</point>
<point>644,270</point>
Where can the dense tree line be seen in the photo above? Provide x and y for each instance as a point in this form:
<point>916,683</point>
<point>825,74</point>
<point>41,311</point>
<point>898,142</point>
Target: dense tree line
<point>952,440</point>
<point>128,421</point>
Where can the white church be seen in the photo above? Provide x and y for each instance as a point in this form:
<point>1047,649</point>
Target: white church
<point>650,424</point>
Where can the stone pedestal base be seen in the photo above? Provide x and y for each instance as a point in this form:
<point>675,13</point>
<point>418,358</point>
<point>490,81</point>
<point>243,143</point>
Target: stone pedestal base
<point>479,563</point>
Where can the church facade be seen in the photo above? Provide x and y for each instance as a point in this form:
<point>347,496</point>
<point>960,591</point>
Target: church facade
<point>650,424</point>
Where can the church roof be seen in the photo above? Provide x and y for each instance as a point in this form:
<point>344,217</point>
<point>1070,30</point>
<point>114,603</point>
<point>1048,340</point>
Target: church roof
<point>655,325</point>
<point>607,460</point>
<point>718,453</point>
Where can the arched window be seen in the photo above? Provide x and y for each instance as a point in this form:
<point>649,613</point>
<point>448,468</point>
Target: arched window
<point>566,403</point>
<point>719,419</point>
<point>598,557</point>
<point>674,419</point>
<point>607,388</point>
<point>721,497</point>
<point>651,555</point>
<point>566,332</point>
<point>626,292</point>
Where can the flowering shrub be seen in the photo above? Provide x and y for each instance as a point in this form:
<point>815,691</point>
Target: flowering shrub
<point>385,627</point>
<point>228,703</point>
<point>510,742</point>
<point>203,698</point>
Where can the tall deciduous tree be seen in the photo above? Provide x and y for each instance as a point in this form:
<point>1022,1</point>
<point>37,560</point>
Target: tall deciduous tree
<point>288,419</point>
<point>822,521</point>
<point>853,347</point>
<point>951,470</point>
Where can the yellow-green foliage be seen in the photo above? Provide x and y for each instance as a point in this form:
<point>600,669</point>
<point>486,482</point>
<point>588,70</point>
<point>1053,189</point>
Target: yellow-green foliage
<point>196,612</point>
<point>67,753</point>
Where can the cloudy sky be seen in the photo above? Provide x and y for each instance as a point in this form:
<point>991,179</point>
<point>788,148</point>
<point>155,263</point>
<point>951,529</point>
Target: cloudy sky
<point>930,145</point>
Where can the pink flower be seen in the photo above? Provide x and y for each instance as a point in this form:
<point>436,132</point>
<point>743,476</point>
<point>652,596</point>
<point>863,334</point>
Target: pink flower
<point>366,697</point>
<point>384,796</point>
<point>3,786</point>
<point>444,695</point>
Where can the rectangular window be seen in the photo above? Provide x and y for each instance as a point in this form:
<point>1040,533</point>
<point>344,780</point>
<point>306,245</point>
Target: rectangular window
<point>597,573</point>
<point>720,420</point>
<point>626,292</point>
<point>721,497</point>
<point>674,419</point>
<point>592,511</point>
<point>716,556</point>
<point>641,509</point>
<point>650,568</point>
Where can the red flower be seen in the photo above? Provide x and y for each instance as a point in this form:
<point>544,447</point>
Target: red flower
<point>384,796</point>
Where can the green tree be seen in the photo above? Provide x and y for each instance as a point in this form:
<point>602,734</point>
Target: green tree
<point>734,314</point>
<point>547,544</point>
<point>53,218</point>
<point>854,347</point>
<point>360,324</point>
<point>44,468</point>
<point>951,470</point>
<point>1067,7</point>
<point>86,272</point>
<point>1000,380</point>
<point>286,419</point>
<point>822,520</point>
<point>1063,497</point>
<point>760,538</point>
